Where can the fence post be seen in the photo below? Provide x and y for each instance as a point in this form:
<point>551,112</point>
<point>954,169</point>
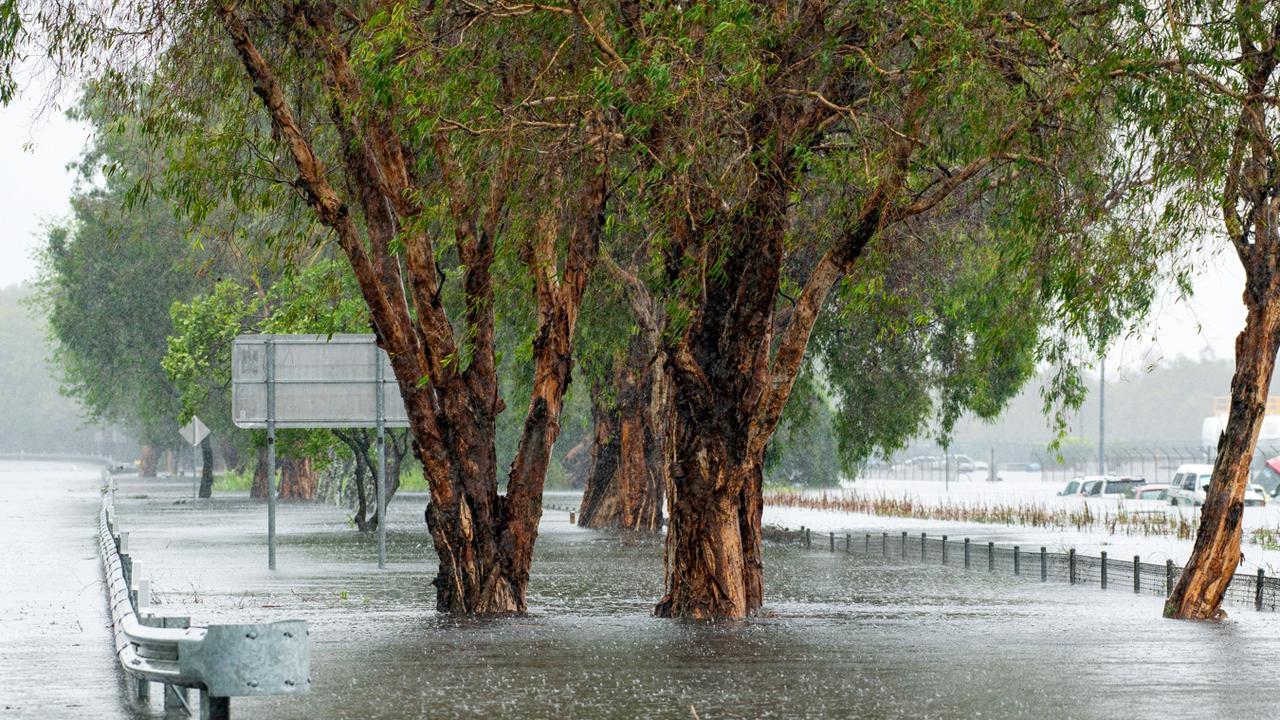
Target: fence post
<point>884,544</point>
<point>904,545</point>
<point>1257,596</point>
<point>833,543</point>
<point>1104,569</point>
<point>866,547</point>
<point>1137,575</point>
<point>944,549</point>
<point>991,557</point>
<point>214,708</point>
<point>1017,560</point>
<point>966,553</point>
<point>1168,578</point>
<point>846,544</point>
<point>1071,565</point>
<point>923,545</point>
<point>1044,564</point>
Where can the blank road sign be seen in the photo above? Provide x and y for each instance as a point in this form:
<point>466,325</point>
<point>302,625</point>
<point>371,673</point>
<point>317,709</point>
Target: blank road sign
<point>320,381</point>
<point>194,432</point>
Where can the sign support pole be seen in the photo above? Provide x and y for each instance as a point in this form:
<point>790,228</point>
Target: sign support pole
<point>382,457</point>
<point>195,483</point>
<point>271,454</point>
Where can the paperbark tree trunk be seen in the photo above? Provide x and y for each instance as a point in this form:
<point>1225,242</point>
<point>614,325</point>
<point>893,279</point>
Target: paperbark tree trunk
<point>484,541</point>
<point>297,479</point>
<point>630,454</point>
<point>1216,554</point>
<point>1249,199</point>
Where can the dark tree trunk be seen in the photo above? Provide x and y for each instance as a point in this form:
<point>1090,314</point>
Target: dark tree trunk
<point>362,502</point>
<point>206,472</point>
<point>148,457</point>
<point>258,491</point>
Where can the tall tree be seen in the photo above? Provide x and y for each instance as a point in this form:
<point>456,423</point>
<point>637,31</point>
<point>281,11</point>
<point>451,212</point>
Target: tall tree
<point>1204,107</point>
<point>106,281</point>
<point>444,156</point>
<point>905,109</point>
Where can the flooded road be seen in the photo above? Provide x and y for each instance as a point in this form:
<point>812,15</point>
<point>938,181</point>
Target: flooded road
<point>56,659</point>
<point>844,637</point>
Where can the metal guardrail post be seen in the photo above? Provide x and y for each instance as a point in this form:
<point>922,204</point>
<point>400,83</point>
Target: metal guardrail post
<point>991,557</point>
<point>884,544</point>
<point>966,553</point>
<point>1071,565</point>
<point>221,660</point>
<point>904,545</point>
<point>271,453</point>
<point>924,538</point>
<point>1137,575</point>
<point>847,541</point>
<point>866,546</point>
<point>1017,560</point>
<point>1257,595</point>
<point>1103,576</point>
<point>1044,564</point>
<point>832,547</point>
<point>213,707</point>
<point>944,549</point>
<point>1168,577</point>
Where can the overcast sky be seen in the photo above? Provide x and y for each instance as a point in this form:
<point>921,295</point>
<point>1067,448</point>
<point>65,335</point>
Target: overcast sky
<point>35,148</point>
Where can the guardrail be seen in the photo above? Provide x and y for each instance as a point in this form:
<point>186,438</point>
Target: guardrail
<point>220,661</point>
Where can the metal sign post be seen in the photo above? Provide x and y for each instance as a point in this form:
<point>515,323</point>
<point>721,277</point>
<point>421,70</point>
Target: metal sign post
<point>315,381</point>
<point>194,432</point>
<point>380,403</point>
<point>270,376</point>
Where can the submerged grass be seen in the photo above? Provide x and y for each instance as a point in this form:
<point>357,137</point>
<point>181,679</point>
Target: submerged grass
<point>1083,518</point>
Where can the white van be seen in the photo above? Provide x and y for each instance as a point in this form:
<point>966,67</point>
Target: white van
<point>1189,484</point>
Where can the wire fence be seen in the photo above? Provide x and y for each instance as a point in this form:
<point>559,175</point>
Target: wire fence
<point>1033,564</point>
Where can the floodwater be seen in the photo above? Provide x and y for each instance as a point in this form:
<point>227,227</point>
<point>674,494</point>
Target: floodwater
<point>845,636</point>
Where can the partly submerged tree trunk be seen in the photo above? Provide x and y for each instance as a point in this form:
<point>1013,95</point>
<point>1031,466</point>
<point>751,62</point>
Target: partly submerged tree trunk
<point>484,542</point>
<point>1216,554</point>
<point>148,457</point>
<point>630,453</point>
<point>206,472</point>
<point>1250,193</point>
<point>258,491</point>
<point>297,479</point>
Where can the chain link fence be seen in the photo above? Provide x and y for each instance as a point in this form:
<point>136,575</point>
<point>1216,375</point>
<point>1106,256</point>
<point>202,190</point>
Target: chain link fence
<point>1154,462</point>
<point>1033,564</point>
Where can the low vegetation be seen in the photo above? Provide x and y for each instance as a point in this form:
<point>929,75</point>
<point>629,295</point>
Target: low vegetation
<point>1028,513</point>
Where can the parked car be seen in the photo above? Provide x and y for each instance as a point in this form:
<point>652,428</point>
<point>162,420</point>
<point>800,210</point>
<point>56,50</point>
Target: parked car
<point>964,464</point>
<point>1103,486</point>
<point>1191,482</point>
<point>1114,487</point>
<point>1152,491</point>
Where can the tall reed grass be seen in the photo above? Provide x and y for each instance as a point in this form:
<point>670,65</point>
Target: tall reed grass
<point>1027,513</point>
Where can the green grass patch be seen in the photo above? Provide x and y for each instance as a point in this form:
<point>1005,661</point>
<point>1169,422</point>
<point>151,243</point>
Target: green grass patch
<point>232,482</point>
